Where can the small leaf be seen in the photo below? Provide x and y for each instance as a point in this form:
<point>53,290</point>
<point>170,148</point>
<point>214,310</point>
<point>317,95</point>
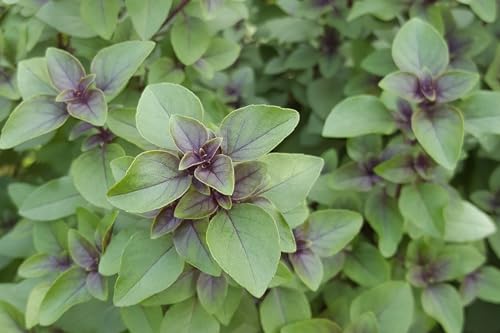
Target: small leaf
<point>212,291</point>
<point>65,70</point>
<point>440,131</point>
<point>97,285</point>
<point>488,288</point>
<point>147,15</point>
<point>481,112</point>
<point>455,84</point>
<point>402,84</point>
<point>219,174</point>
<point>442,302</point>
<point>35,299</point>
<point>365,265</point>
<point>53,200</point>
<point>248,177</point>
<point>83,253</point>
<point>157,104</point>
<point>190,38</point>
<point>195,205</point>
<point>145,273</point>
<point>366,323</point>
<point>189,160</point>
<point>308,267</point>
<point>42,264</point>
<point>392,304</point>
<point>32,118</point>
<point>116,64</point>
<point>356,116</point>
<point>104,20</point>
<point>68,290</point>
<point>190,242</point>
<point>152,181</point>
<point>252,131</point>
<point>245,243</point>
<point>418,45</point>
<point>188,133</point>
<point>91,107</point>
<point>466,223</point>
<point>312,326</point>
<point>188,317</point>
<point>165,222</point>
<point>283,306</point>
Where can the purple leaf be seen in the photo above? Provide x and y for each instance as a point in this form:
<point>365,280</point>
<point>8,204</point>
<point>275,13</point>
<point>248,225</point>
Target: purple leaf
<point>80,129</point>
<point>164,223</point>
<point>65,70</point>
<point>195,205</point>
<point>209,149</point>
<point>86,82</point>
<point>223,200</point>
<point>83,253</point>
<point>218,174</point>
<point>455,84</point>
<point>248,177</point>
<point>308,267</point>
<point>91,107</point>
<point>189,160</point>
<point>188,133</point>
<point>212,291</point>
<point>66,96</point>
<point>200,187</point>
<point>97,285</point>
<point>42,264</point>
<point>402,84</point>
<point>427,86</point>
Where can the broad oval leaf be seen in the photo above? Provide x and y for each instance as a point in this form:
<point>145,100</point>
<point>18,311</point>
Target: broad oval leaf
<point>190,243</point>
<point>116,64</point>
<point>443,303</point>
<point>248,177</point>
<point>145,273</point>
<point>219,174</point>
<point>308,267</point>
<point>188,317</point>
<point>454,84</point>
<point>190,38</point>
<point>212,291</point>
<point>157,104</point>
<point>65,70</point>
<point>244,241</point>
<point>392,304</point>
<point>83,253</point>
<point>147,15</point>
<point>356,116</point>
<point>254,130</point>
<point>32,118</point>
<point>53,200</point>
<point>440,131</point>
<point>165,222</point>
<point>418,45</point>
<point>91,173</point>
<point>466,223</point>
<point>68,290</point>
<point>195,205</point>
<point>481,112</point>
<point>188,133</point>
<point>92,108</point>
<point>151,182</point>
<point>141,319</point>
<point>33,78</point>
<point>283,306</point>
<point>101,15</point>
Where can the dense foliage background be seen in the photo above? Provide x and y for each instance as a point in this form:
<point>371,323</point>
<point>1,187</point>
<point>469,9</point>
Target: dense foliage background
<point>133,198</point>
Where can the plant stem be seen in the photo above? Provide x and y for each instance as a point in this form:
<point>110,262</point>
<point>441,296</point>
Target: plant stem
<point>171,16</point>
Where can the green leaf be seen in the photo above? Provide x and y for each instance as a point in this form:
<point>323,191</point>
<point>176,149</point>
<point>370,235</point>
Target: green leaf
<point>221,53</point>
<point>151,182</point>
<point>53,200</point>
<point>116,64</point>
<point>157,104</point>
<point>308,267</point>
<point>366,266</point>
<point>356,116</point>
<point>65,70</point>
<point>392,304</point>
<point>165,70</point>
<point>485,9</point>
<point>254,130</point>
<point>92,108</point>
<point>283,306</point>
<point>440,131</point>
<point>195,205</point>
<point>249,176</point>
<point>488,284</point>
<point>383,215</point>
<point>97,285</point>
<point>219,175</point>
<point>366,323</point>
<point>190,243</point>
<point>35,299</point>
<point>190,38</point>
<point>423,205</point>
<point>91,173</point>
<point>188,317</point>
<point>68,290</point>
<point>139,319</point>
<point>145,273</point>
<point>109,264</point>
<point>402,84</point>
<point>312,326</point>
<point>245,243</point>
<point>181,290</point>
<point>330,230</point>
<point>11,320</point>
<point>481,113</point>
<point>101,15</point>
<point>40,264</point>
<point>287,171</point>
<point>33,78</point>
<point>64,16</point>
<point>147,16</point>
<point>418,45</point>
<point>455,84</point>
<point>212,292</point>
<point>466,223</point>
<point>32,118</point>
<point>442,302</point>
<point>122,123</point>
